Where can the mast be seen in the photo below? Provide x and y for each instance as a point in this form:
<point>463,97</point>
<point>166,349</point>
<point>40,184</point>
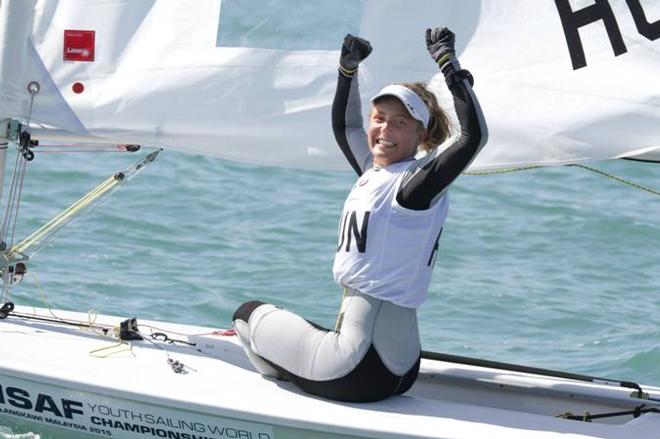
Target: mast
<point>16,20</point>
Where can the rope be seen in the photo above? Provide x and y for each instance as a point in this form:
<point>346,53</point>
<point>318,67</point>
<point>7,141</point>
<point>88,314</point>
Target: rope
<point>588,168</point>
<point>18,176</point>
<point>501,171</point>
<point>22,171</point>
<point>60,220</point>
<point>114,349</point>
<point>92,315</point>
<point>11,210</point>
<point>122,345</point>
<point>68,148</point>
<point>619,179</point>
<point>588,417</point>
<point>222,332</point>
<point>46,233</point>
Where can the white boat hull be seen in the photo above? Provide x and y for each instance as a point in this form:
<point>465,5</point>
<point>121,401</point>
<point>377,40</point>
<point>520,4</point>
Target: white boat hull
<point>59,379</point>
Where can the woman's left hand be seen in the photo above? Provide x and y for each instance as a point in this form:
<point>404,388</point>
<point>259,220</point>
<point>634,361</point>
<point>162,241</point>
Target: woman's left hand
<point>440,44</point>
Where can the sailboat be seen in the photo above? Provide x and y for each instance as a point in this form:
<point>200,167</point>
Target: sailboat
<point>116,74</point>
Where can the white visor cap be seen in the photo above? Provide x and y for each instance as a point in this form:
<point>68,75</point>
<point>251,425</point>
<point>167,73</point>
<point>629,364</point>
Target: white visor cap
<point>413,103</point>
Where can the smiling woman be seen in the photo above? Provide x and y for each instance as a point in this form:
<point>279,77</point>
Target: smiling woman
<point>420,122</point>
<point>394,215</point>
<point>393,133</point>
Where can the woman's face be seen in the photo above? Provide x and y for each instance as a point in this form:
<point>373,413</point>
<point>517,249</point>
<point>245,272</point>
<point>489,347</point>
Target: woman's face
<point>393,134</point>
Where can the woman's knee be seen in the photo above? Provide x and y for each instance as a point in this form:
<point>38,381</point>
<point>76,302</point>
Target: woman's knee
<point>244,311</point>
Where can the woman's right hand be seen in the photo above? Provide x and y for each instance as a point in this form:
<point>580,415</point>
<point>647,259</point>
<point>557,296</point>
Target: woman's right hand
<point>353,52</point>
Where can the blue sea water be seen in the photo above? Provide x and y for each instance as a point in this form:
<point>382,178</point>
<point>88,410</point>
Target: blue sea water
<point>556,267</point>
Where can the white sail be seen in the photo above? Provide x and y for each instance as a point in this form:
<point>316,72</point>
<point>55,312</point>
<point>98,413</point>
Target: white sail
<point>158,78</point>
<point>650,156</point>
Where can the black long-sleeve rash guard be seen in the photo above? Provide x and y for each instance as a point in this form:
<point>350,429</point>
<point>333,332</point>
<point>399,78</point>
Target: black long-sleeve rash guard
<point>428,177</point>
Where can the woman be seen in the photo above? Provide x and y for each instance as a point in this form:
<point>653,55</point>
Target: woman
<point>388,237</point>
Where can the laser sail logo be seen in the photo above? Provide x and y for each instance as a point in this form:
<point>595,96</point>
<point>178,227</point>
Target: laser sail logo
<point>79,45</point>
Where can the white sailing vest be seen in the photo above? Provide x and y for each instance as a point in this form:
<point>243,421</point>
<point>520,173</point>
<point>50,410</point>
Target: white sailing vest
<point>385,250</point>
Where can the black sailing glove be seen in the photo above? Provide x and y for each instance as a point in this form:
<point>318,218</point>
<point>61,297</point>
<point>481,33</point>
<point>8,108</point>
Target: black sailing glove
<point>440,43</point>
<point>353,52</point>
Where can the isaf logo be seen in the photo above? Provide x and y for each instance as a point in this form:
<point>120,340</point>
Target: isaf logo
<point>40,403</point>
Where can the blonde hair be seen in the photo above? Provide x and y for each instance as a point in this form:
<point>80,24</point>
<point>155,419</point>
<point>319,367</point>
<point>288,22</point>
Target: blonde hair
<point>438,126</point>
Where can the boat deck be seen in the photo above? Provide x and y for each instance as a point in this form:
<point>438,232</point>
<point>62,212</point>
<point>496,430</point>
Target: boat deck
<point>75,379</point>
